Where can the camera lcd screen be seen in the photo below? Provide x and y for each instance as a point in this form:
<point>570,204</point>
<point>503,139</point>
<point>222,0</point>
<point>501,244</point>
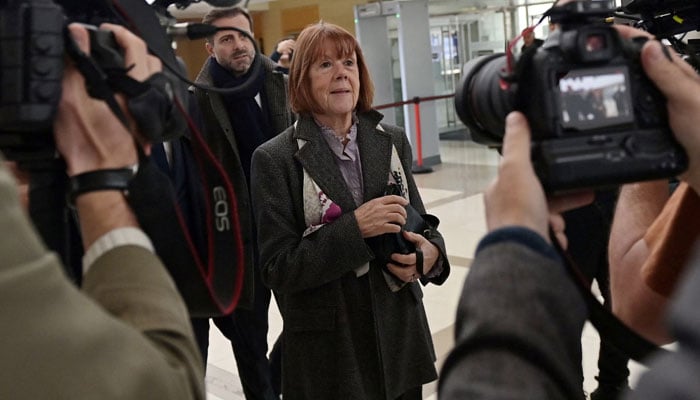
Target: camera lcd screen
<point>595,98</point>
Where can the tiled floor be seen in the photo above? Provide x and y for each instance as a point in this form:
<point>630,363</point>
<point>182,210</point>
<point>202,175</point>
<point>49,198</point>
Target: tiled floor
<point>453,193</point>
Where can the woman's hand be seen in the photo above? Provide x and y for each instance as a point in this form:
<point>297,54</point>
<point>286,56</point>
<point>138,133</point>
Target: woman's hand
<point>386,214</point>
<point>405,264</point>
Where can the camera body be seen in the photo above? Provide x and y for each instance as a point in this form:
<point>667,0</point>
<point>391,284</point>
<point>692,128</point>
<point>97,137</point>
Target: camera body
<point>31,69</point>
<point>596,119</point>
<point>595,116</point>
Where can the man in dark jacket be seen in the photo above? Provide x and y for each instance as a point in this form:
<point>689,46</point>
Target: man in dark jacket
<point>530,42</point>
<point>235,124</point>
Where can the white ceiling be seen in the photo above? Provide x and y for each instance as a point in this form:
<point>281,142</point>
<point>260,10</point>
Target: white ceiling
<point>197,10</point>
<point>436,7</point>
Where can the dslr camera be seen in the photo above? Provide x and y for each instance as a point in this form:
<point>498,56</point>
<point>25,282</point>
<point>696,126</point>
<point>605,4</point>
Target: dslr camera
<point>596,119</point>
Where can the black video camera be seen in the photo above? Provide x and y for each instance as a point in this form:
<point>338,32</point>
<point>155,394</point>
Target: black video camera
<point>664,18</point>
<point>31,59</point>
<point>596,119</point>
<point>669,20</point>
<point>33,46</point>
<point>207,264</point>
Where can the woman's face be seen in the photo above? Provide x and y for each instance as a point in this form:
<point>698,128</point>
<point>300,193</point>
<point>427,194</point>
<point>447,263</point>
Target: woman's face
<point>335,82</point>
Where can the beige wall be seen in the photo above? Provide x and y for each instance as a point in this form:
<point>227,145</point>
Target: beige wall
<point>281,15</point>
<point>280,20</point>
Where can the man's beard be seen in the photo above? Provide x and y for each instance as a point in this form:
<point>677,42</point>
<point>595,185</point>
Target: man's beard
<point>242,65</point>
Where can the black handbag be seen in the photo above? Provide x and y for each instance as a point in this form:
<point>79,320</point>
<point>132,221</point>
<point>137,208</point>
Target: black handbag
<point>385,245</point>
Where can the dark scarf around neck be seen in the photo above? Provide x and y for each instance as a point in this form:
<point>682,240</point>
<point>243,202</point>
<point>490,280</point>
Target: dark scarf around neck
<point>249,124</point>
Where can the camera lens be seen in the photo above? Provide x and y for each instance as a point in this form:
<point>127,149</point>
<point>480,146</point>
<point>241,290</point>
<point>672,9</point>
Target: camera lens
<point>481,103</point>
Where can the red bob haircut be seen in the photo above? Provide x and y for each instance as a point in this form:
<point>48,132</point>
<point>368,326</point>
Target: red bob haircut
<point>309,49</point>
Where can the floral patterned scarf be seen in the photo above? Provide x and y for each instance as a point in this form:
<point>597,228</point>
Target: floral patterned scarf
<point>319,209</point>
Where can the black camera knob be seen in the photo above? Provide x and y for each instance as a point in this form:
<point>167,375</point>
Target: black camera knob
<point>42,68</point>
<point>46,91</point>
<point>43,44</point>
<point>648,106</point>
<point>630,144</point>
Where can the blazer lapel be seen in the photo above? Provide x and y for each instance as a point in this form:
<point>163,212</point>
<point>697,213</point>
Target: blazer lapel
<point>318,160</point>
<point>375,153</point>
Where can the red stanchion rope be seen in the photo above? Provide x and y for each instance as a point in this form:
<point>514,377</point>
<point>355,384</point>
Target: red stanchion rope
<point>416,110</point>
<point>413,100</point>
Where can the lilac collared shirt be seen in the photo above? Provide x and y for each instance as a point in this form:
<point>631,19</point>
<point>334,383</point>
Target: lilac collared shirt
<point>347,157</point>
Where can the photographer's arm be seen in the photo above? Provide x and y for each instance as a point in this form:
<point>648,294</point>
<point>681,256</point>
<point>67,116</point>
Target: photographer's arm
<point>139,292</point>
<point>130,336</point>
<point>633,301</point>
<point>520,316</point>
<point>639,205</point>
<point>91,138</point>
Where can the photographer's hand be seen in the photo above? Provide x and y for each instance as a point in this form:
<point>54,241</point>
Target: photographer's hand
<point>90,137</point>
<point>680,83</point>
<point>516,197</point>
<point>87,133</point>
<point>286,46</point>
<point>681,86</point>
